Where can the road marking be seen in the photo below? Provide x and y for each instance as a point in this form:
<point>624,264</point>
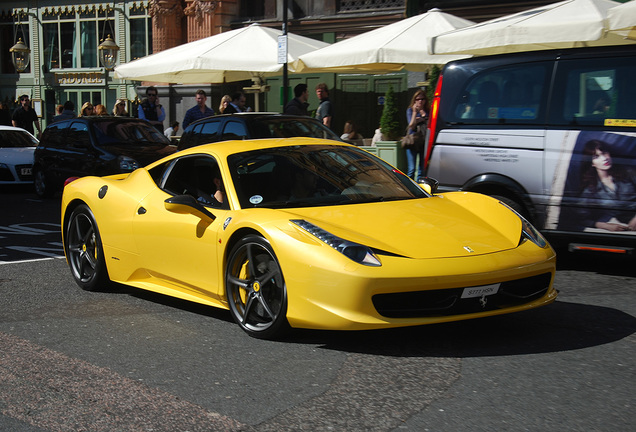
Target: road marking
<point>31,260</point>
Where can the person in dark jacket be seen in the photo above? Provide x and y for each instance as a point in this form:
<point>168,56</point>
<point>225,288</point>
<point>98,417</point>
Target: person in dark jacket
<point>67,113</point>
<point>298,105</point>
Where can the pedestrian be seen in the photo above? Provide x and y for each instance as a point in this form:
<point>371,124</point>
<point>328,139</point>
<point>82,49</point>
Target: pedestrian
<point>237,105</point>
<point>100,110</point>
<point>25,117</point>
<point>5,114</point>
<point>119,109</point>
<point>298,105</point>
<point>172,129</point>
<point>59,109</point>
<point>417,117</point>
<point>151,110</point>
<point>225,101</point>
<point>67,113</point>
<point>199,111</point>
<point>350,132</point>
<point>87,109</point>
<point>324,113</point>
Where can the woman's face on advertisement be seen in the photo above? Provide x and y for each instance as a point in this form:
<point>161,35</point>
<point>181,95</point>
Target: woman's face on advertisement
<point>601,160</point>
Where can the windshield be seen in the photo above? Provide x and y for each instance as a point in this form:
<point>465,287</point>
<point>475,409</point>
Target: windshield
<point>307,176</point>
<point>129,132</point>
<point>284,127</point>
<point>14,138</point>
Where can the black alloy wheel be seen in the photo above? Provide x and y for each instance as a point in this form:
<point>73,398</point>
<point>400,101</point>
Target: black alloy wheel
<point>256,290</point>
<point>84,250</point>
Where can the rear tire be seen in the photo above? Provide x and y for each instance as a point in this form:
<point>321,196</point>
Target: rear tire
<point>85,251</point>
<point>42,185</point>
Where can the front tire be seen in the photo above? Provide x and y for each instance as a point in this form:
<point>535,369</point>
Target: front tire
<point>256,290</point>
<point>85,251</point>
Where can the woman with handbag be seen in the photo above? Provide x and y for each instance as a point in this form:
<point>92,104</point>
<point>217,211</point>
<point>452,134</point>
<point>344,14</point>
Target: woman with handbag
<point>413,142</point>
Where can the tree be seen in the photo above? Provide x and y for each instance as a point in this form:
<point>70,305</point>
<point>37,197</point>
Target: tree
<point>389,123</point>
<point>433,77</point>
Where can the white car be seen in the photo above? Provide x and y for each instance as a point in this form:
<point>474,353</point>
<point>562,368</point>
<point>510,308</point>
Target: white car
<point>16,155</point>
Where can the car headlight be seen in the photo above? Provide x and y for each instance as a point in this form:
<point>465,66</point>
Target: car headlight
<point>528,231</point>
<point>354,251</point>
<point>127,164</point>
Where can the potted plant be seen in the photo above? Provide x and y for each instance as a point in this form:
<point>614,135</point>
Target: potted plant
<point>390,150</point>
<point>389,123</point>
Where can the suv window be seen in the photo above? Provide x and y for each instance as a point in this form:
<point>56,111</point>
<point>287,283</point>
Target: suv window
<point>78,136</point>
<point>504,95</point>
<point>234,130</point>
<point>53,135</point>
<point>593,92</point>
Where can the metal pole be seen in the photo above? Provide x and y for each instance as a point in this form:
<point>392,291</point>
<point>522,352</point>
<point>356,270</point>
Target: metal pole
<point>285,78</point>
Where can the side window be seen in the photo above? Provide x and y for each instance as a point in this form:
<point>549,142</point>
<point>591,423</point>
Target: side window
<point>53,135</point>
<point>78,136</point>
<point>594,92</point>
<point>234,130</point>
<point>198,176</point>
<point>508,95</point>
<point>208,131</point>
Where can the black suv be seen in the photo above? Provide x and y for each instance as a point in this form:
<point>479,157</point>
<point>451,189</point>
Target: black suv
<point>252,125</point>
<point>95,146</point>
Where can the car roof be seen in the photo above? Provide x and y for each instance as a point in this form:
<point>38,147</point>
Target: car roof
<point>97,119</point>
<point>226,148</point>
<point>19,129</point>
<point>251,116</point>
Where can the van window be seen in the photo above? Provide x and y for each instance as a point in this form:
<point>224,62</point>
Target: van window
<point>508,95</point>
<point>593,92</point>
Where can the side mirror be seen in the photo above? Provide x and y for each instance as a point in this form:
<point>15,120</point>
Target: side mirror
<point>186,204</point>
<point>429,185</point>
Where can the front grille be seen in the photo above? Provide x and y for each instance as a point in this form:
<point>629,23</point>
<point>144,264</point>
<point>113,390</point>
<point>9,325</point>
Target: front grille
<point>24,177</point>
<point>418,304</point>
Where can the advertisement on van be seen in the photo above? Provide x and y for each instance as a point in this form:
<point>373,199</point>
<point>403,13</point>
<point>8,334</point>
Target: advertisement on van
<point>594,188</point>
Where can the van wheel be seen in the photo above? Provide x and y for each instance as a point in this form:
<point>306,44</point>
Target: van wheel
<point>513,204</point>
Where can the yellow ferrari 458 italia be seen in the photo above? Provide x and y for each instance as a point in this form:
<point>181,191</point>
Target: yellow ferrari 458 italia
<point>304,233</point>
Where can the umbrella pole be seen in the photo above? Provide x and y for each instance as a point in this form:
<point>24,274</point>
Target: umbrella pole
<point>285,77</point>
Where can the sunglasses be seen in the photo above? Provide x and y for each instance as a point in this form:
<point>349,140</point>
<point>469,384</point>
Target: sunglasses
<point>152,94</point>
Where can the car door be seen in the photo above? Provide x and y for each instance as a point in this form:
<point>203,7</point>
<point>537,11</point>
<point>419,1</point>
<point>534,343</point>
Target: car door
<point>181,247</point>
<point>79,157</point>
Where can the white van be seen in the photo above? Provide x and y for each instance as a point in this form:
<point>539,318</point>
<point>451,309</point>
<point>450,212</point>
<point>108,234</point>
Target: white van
<point>551,133</point>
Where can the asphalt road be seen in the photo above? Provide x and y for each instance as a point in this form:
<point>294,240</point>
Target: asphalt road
<point>128,360</point>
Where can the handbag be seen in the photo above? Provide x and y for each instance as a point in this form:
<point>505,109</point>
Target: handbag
<point>414,140</point>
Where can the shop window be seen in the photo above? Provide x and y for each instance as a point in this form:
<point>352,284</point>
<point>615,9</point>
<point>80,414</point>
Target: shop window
<point>71,36</point>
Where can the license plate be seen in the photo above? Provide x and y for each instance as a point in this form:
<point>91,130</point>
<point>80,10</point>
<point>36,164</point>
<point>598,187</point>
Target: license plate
<point>25,171</point>
<point>484,290</point>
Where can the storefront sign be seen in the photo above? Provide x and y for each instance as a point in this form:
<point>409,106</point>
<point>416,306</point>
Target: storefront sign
<point>79,78</point>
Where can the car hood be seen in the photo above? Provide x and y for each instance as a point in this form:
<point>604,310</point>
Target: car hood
<point>453,225</point>
<point>17,155</point>
<point>144,153</point>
